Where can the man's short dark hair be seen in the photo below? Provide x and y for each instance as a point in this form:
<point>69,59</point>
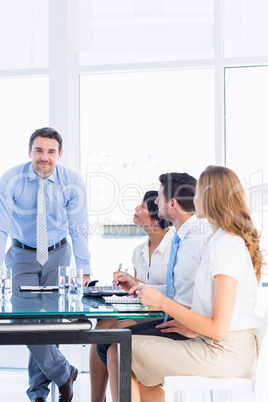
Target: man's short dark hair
<point>180,186</point>
<point>46,132</point>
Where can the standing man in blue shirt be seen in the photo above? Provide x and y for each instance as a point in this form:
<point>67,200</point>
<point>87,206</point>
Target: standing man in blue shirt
<point>64,205</point>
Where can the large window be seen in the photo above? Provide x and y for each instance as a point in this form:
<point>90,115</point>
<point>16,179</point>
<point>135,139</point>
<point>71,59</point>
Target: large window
<point>247,139</point>
<point>135,126</point>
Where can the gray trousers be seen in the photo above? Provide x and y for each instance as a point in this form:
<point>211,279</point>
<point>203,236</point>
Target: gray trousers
<point>46,362</point>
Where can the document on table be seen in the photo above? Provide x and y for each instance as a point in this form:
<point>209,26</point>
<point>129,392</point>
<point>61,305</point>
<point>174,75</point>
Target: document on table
<point>122,300</point>
<point>38,288</point>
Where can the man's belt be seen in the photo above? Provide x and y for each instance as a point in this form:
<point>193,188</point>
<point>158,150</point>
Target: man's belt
<point>17,243</point>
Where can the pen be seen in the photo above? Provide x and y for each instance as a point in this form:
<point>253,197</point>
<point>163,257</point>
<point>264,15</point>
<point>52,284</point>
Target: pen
<point>119,267</point>
<point>125,272</point>
<point>131,294</point>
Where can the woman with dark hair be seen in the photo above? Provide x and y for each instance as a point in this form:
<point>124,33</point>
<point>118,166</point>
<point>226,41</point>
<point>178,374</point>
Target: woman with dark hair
<point>151,257</point>
<point>222,316</point>
<point>150,260</point>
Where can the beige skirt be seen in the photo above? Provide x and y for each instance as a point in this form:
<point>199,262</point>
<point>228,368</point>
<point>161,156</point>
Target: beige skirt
<point>154,358</point>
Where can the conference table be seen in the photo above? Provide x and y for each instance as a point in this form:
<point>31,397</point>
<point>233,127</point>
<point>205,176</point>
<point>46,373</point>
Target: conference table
<point>46,317</point>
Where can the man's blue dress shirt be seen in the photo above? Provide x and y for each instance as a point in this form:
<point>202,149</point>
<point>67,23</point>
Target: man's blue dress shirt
<point>65,204</point>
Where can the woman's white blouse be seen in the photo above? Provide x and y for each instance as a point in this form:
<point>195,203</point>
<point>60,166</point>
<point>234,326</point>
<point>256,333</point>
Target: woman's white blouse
<point>227,254</point>
<point>156,273</point>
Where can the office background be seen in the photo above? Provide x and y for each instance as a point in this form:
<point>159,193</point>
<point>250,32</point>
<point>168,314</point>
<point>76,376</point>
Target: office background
<point>137,88</point>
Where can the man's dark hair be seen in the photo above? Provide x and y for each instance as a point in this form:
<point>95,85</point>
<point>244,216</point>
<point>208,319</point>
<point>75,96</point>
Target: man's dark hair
<point>149,198</point>
<point>46,132</point>
<point>180,186</point>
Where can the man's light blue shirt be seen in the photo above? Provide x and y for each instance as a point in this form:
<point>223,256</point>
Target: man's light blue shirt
<point>65,205</point>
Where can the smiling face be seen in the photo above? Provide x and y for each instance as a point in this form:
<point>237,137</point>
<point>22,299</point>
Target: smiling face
<point>45,155</point>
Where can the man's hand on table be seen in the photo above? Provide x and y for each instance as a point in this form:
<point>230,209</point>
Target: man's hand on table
<point>86,280</point>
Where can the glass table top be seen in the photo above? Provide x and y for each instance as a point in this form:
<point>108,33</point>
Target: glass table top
<point>41,305</point>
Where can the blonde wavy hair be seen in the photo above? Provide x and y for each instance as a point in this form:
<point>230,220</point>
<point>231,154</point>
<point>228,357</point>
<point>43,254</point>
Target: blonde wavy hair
<point>223,202</point>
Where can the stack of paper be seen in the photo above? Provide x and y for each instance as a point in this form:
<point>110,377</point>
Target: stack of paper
<point>122,300</point>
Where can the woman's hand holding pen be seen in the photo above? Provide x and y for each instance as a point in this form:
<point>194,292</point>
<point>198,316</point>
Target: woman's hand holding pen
<point>124,279</point>
<point>117,274</point>
<point>148,295</point>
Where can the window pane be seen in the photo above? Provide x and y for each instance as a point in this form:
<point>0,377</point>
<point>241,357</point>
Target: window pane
<point>245,28</point>
<point>246,137</point>
<point>126,31</point>
<point>24,108</point>
<point>135,127</point>
<point>24,34</point>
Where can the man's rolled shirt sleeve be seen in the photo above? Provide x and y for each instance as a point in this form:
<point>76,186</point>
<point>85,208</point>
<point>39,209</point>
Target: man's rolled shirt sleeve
<point>6,211</point>
<point>78,225</point>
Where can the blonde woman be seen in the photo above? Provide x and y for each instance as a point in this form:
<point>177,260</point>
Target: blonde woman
<point>225,295</point>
